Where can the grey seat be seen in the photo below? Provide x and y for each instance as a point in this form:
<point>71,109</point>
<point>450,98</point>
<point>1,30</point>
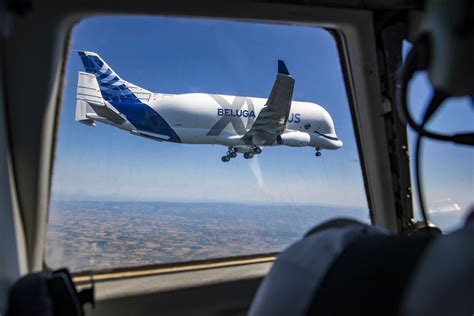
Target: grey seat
<point>348,268</point>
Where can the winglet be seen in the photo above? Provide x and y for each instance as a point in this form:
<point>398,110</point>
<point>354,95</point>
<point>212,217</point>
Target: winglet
<point>282,68</point>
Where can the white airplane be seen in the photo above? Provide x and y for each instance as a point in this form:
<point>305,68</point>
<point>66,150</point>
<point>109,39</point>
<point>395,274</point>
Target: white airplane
<point>243,124</point>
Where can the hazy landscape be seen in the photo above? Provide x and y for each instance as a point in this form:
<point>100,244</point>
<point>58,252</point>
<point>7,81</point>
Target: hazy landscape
<point>96,235</point>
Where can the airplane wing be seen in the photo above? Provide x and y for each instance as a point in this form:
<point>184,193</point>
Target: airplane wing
<point>272,119</point>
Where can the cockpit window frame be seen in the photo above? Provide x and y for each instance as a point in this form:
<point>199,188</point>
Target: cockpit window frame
<point>358,62</point>
<point>154,269</point>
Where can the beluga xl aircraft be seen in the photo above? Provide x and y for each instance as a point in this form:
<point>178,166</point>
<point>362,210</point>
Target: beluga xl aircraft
<point>243,124</point>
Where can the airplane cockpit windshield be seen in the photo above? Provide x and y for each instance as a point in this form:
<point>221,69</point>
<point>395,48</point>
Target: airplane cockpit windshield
<point>184,139</point>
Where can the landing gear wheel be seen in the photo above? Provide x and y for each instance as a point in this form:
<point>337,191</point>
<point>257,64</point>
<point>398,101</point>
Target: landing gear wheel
<point>257,150</point>
<point>233,154</point>
<point>318,154</point>
<point>248,155</point>
<point>225,158</point>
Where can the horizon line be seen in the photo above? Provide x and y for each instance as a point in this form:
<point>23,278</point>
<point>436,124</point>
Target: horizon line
<point>52,201</point>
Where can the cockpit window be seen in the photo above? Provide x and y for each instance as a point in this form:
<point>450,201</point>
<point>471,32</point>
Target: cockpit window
<point>201,139</point>
<point>447,169</point>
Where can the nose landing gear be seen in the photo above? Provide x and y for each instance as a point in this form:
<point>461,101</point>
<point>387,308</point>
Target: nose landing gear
<point>318,153</point>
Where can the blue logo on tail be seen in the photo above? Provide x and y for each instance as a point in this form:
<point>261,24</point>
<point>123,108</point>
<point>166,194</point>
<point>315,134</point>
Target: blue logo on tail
<point>111,86</point>
<point>115,91</point>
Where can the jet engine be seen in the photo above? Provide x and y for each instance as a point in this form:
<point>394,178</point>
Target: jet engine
<point>294,139</point>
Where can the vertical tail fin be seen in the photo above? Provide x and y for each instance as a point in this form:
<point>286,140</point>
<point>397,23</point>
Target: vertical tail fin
<point>124,102</point>
<point>112,87</point>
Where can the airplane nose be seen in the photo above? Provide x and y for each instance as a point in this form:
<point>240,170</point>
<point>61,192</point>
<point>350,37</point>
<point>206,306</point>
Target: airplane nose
<point>335,144</point>
<point>328,141</point>
<point>338,144</point>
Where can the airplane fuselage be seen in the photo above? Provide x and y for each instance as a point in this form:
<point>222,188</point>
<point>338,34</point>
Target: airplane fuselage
<point>200,118</point>
<point>243,124</point>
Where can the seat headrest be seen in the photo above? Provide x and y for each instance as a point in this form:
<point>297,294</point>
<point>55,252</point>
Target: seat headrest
<point>346,267</point>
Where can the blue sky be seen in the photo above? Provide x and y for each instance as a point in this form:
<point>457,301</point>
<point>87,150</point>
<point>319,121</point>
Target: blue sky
<point>174,55</point>
<point>448,169</point>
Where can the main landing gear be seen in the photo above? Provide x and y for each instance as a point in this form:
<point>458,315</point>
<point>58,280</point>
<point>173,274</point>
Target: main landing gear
<point>255,150</point>
<point>231,153</point>
<point>248,154</point>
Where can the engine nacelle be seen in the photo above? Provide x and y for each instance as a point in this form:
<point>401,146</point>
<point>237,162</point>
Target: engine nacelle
<point>294,139</point>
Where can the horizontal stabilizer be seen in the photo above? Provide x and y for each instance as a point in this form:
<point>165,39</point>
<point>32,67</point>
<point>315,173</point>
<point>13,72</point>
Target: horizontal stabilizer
<point>82,109</point>
<point>90,101</point>
<point>110,114</point>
